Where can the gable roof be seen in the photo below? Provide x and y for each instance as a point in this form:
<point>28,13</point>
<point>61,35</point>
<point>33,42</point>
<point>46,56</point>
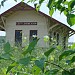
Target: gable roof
<point>23,6</point>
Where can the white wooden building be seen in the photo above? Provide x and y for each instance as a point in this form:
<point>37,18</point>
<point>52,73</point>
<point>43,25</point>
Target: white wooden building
<point>23,20</point>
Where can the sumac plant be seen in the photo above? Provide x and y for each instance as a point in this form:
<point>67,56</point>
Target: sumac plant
<point>33,60</point>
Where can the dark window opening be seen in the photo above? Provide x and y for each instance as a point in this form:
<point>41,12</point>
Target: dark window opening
<point>57,39</point>
<point>33,35</point>
<point>18,37</point>
<point>54,34</point>
<point>50,36</point>
<point>64,42</point>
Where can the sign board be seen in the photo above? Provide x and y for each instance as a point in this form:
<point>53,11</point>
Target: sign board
<point>26,23</point>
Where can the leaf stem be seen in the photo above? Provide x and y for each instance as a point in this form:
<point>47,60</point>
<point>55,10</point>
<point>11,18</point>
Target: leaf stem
<point>56,65</point>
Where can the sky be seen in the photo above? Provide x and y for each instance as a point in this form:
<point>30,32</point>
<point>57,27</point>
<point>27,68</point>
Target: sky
<point>60,17</point>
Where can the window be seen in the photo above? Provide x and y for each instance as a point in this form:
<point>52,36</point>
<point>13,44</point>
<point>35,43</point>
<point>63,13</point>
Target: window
<point>50,36</point>
<point>54,35</point>
<point>18,37</point>
<point>33,35</point>
<point>57,39</point>
<point>64,42</point>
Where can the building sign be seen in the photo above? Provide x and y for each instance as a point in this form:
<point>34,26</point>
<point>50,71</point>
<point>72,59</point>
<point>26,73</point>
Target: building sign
<point>26,23</point>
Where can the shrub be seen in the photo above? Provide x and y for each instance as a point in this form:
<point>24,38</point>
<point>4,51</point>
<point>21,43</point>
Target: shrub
<point>32,60</point>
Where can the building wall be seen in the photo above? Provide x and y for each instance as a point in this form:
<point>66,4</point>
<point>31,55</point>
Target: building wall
<point>63,32</point>
<point>42,27</point>
<point>26,16</point>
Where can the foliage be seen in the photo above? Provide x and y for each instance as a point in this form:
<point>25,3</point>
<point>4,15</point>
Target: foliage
<point>32,60</point>
<point>65,6</point>
<point>2,41</point>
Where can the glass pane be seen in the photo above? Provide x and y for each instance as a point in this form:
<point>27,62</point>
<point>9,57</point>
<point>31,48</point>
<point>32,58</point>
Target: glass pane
<point>33,35</point>
<point>18,37</point>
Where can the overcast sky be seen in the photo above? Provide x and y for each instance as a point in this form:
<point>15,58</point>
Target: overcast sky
<point>10,3</point>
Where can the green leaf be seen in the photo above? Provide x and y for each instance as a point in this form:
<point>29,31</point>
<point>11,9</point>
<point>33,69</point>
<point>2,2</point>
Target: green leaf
<point>72,60</point>
<point>7,47</point>
<point>3,71</point>
<point>73,46</point>
<point>24,61</point>
<point>38,7</point>
<point>22,0</point>
<point>47,53</point>
<point>2,3</point>
<point>15,0</point>
<point>59,2</point>
<point>68,62</point>
<point>71,4</point>
<point>40,64</point>
<point>5,56</point>
<point>50,4</point>
<point>72,71</point>
<point>31,47</point>
<point>66,2</point>
<point>65,12</point>
<point>59,7</point>
<point>36,70</point>
<point>11,66</point>
<point>65,54</point>
<point>51,12</point>
<point>41,1</point>
<point>51,72</point>
<point>62,9</point>
<point>71,19</point>
<point>66,73</point>
<point>1,58</point>
<point>31,1</point>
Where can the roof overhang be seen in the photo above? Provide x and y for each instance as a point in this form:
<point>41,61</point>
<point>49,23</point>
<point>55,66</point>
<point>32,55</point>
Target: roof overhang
<point>2,23</point>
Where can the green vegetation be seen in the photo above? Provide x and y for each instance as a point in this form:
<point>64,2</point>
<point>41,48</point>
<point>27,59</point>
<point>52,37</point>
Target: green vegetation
<point>2,41</point>
<point>32,60</point>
